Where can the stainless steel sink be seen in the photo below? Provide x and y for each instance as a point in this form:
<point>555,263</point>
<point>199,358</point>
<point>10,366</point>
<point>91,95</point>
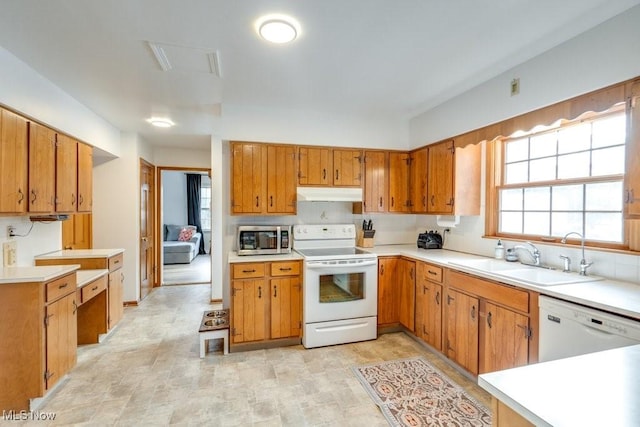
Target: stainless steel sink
<point>520,272</point>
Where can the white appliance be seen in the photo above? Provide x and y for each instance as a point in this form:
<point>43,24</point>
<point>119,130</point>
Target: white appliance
<point>340,285</point>
<point>568,329</point>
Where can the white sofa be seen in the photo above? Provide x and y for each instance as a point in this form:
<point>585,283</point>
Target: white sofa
<point>176,251</point>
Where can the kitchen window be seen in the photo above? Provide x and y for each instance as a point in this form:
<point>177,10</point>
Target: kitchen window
<point>564,178</point>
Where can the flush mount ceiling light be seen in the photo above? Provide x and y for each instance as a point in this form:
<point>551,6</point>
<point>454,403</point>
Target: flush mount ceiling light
<point>278,29</point>
<point>161,122</point>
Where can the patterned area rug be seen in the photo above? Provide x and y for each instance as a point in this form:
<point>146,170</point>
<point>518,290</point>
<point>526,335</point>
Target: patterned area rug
<point>411,392</point>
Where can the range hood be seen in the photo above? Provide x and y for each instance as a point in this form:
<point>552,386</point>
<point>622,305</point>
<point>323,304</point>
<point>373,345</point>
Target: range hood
<point>329,194</point>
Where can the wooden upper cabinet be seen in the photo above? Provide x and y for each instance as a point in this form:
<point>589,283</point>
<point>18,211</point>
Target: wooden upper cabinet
<point>453,179</point>
<point>315,166</point>
<point>13,162</point>
<point>347,168</point>
<point>249,184</point>
<point>399,164</point>
<point>42,169</point>
<point>66,174</point>
<point>281,179</point>
<point>375,181</point>
<point>85,177</point>
<point>632,169</point>
<point>440,178</point>
<point>418,188</point>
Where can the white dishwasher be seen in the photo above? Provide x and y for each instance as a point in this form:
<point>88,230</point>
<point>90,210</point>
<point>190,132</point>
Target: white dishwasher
<point>568,329</point>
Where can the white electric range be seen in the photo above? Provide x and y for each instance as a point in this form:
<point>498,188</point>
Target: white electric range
<point>340,285</point>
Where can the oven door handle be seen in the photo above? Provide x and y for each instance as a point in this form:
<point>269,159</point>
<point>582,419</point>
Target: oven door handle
<point>318,265</point>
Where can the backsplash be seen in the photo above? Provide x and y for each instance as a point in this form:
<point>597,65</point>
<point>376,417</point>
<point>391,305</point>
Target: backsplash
<point>43,237</point>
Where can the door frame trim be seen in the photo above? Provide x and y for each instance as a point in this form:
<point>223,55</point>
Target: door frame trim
<point>159,222</point>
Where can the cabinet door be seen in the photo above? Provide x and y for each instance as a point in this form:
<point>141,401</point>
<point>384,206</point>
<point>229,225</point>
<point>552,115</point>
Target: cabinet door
<point>85,177</point>
<point>407,293</point>
<point>248,311</point>
<point>347,168</point>
<point>388,284</point>
<point>418,185</point>
<point>399,182</point>
<point>314,166</point>
<point>249,170</point>
<point>13,162</point>
<point>440,178</point>
<point>632,159</point>
<point>286,307</point>
<point>66,174</point>
<point>61,338</point>
<point>42,169</point>
<point>505,342</point>
<point>375,181</point>
<point>115,291</point>
<point>462,330</point>
<point>77,232</point>
<point>281,179</point>
<point>428,307</point>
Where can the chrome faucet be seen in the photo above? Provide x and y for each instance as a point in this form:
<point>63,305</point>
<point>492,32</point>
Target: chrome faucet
<point>533,251</point>
<point>583,262</point>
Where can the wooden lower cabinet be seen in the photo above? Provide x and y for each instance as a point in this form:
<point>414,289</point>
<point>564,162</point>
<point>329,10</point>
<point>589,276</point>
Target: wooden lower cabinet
<point>38,335</point>
<point>407,297</point>
<point>488,325</point>
<point>266,301</point>
<point>462,329</point>
<point>388,295</point>
<point>112,260</point>
<point>429,297</point>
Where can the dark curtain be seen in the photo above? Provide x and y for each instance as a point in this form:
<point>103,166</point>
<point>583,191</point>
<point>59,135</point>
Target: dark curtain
<point>193,205</point>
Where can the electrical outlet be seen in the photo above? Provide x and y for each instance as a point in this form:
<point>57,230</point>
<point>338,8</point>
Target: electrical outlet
<point>11,231</point>
<point>9,253</point>
<point>515,86</point>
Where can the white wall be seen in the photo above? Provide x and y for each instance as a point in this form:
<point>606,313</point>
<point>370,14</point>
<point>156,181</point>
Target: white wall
<point>24,90</point>
<point>600,57</point>
<point>42,238</point>
<point>174,197</point>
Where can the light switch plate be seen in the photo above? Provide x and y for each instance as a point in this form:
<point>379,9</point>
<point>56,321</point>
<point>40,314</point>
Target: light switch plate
<point>9,252</point>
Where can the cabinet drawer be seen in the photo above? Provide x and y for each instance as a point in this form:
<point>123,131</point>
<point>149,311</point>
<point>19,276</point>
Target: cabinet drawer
<point>94,288</point>
<point>248,270</point>
<point>502,294</point>
<point>429,272</point>
<point>61,287</point>
<point>291,268</point>
<point>115,262</point>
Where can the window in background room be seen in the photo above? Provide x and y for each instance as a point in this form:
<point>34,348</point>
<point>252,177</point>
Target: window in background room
<point>205,204</point>
<point>569,178</point>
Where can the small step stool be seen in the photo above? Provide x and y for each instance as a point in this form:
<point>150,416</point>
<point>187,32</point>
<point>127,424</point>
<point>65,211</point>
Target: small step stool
<point>214,325</point>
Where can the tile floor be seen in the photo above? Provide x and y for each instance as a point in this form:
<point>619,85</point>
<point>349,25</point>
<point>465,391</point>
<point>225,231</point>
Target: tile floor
<point>148,372</point>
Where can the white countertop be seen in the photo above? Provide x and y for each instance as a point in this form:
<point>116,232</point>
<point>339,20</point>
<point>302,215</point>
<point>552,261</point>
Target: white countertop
<point>35,274</point>
<point>597,389</point>
<point>609,295</point>
<point>84,277</point>
<point>80,253</point>
<point>235,258</point>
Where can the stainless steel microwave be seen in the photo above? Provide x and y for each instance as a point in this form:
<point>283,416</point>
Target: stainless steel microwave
<point>263,239</point>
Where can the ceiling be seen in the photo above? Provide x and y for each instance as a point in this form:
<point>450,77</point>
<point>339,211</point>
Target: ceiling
<point>363,58</point>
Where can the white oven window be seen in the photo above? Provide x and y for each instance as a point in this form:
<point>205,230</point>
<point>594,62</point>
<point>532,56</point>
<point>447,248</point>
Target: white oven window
<point>341,287</point>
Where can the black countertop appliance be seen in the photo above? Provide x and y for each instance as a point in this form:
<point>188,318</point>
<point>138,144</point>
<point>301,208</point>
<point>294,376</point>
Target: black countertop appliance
<point>430,240</point>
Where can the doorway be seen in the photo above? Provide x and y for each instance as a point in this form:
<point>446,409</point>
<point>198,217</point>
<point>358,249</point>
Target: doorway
<point>185,225</point>
<point>147,227</point>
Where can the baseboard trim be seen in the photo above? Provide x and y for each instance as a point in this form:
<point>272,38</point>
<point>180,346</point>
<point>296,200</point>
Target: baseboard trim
<point>130,303</point>
<point>216,301</point>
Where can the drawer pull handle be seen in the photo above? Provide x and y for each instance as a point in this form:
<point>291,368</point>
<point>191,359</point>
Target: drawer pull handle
<point>116,261</point>
<point>248,271</point>
<point>433,273</point>
<point>94,288</point>
<point>63,286</point>
<point>285,269</point>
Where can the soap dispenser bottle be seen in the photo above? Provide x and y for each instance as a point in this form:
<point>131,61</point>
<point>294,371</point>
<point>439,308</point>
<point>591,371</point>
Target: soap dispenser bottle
<point>499,251</point>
